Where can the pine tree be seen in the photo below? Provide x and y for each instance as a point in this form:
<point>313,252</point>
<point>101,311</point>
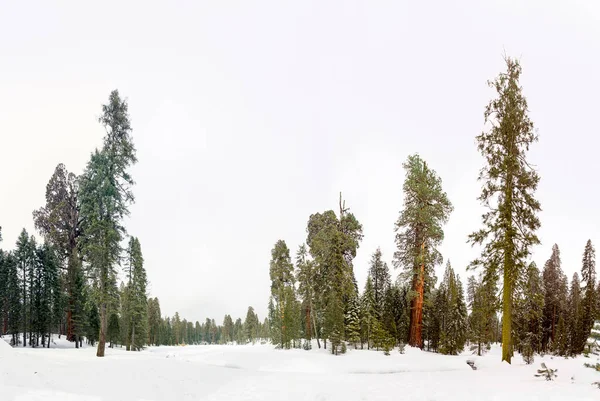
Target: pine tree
<point>575,335</point>
<point>114,330</point>
<point>251,325</point>
<point>238,329</point>
<point>136,301</point>
<point>3,290</point>
<point>368,313</point>
<point>509,184</point>
<point>554,288</point>
<point>529,309</point>
<point>380,276</point>
<point>60,224</point>
<point>93,324</point>
<point>452,312</point>
<point>353,322</point>
<point>154,320</point>
<point>25,255</point>
<point>589,303</point>
<point>418,234</point>
<point>14,306</point>
<point>282,281</point>
<point>305,276</point>
<point>104,198</point>
<point>228,329</point>
<point>333,244</point>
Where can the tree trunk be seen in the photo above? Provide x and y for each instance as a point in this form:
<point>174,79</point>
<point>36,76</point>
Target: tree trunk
<point>133,337</point>
<point>416,318</point>
<point>103,325</point>
<point>315,325</point>
<point>507,311</point>
<point>553,320</point>
<point>308,328</point>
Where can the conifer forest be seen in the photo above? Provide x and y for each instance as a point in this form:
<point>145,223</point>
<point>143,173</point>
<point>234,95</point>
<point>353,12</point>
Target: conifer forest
<point>299,201</point>
<point>83,277</point>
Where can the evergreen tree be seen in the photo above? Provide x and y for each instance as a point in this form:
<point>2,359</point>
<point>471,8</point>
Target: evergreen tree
<point>333,244</point>
<point>353,322</point>
<point>154,320</point>
<point>418,234</point>
<point>589,304</point>
<point>114,329</point>
<point>238,329</point>
<point>228,329</point>
<point>380,276</point>
<point>3,290</point>
<point>282,282</point>
<point>14,305</point>
<point>104,198</point>
<point>60,224</point>
<point>25,255</point>
<point>251,325</point>
<point>136,302</point>
<point>93,324</point>
<point>509,184</point>
<point>575,334</point>
<point>529,310</point>
<point>452,312</point>
<point>306,290</point>
<point>554,289</point>
<point>368,313</point>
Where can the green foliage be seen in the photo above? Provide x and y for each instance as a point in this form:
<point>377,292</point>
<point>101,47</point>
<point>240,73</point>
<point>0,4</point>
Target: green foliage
<point>368,314</point>
<point>135,301</point>
<point>546,373</point>
<point>352,321</point>
<point>332,243</point>
<point>528,313</point>
<point>509,184</point>
<point>418,234</point>
<point>380,276</point>
<point>555,303</point>
<point>481,299</point>
<point>590,309</point>
<point>283,299</point>
<point>104,199</point>
<point>452,311</point>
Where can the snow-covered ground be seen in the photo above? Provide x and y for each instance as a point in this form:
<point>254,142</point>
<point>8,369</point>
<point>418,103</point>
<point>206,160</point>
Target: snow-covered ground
<point>259,372</point>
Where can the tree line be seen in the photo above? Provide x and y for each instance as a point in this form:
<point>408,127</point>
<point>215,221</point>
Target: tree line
<point>68,284</point>
<point>318,297</point>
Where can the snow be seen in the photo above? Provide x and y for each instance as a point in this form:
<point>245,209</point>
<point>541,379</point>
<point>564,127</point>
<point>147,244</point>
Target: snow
<point>259,372</point>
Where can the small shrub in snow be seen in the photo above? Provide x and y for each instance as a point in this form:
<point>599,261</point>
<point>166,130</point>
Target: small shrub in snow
<point>401,347</point>
<point>471,363</point>
<point>343,348</point>
<point>307,346</point>
<point>528,354</point>
<point>547,373</point>
<point>597,384</point>
<point>592,366</point>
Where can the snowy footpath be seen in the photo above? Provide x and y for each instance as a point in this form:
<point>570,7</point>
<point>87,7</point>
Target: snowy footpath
<point>259,372</point>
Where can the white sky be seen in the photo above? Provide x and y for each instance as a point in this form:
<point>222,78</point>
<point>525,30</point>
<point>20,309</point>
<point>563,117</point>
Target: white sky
<point>250,116</point>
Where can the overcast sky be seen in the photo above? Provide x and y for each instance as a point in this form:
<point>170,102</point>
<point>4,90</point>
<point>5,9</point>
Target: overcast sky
<point>249,116</point>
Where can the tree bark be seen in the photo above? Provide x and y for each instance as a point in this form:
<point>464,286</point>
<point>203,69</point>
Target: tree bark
<point>416,318</point>
<point>103,325</point>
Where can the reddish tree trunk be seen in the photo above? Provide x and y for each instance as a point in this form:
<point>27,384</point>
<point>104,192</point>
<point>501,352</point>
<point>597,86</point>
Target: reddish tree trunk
<point>415,338</point>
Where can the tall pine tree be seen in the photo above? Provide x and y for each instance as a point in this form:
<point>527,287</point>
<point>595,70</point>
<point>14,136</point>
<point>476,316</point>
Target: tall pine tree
<point>509,183</point>
<point>418,234</point>
<point>104,198</point>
